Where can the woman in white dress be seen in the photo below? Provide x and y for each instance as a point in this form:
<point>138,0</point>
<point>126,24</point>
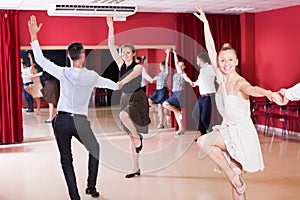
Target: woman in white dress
<point>35,89</point>
<point>234,145</point>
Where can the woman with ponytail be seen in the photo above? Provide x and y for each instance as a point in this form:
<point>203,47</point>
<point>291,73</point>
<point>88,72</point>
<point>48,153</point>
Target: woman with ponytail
<point>234,145</point>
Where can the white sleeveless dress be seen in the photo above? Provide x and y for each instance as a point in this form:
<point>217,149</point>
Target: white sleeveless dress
<point>237,129</point>
<point>36,87</point>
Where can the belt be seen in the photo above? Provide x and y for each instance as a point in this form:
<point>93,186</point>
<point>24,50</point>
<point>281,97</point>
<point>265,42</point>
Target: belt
<point>28,83</point>
<point>204,95</point>
<point>69,114</point>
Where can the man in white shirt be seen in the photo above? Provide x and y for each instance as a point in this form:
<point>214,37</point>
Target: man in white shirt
<point>26,78</point>
<point>202,109</point>
<point>76,86</point>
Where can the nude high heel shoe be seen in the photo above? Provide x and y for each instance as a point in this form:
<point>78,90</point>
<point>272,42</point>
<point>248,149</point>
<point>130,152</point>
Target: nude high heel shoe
<point>236,179</point>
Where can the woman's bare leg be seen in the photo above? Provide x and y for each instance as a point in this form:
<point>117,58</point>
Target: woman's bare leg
<point>28,89</point>
<point>125,119</point>
<point>38,105</point>
<point>135,156</point>
<point>212,145</point>
<point>238,170</point>
<point>134,139</point>
<point>51,111</point>
<point>154,108</point>
<point>177,113</point>
<point>151,103</point>
<point>237,196</point>
<point>161,115</point>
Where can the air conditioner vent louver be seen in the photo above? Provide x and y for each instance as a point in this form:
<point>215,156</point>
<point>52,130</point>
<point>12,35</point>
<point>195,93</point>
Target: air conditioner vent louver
<point>117,11</point>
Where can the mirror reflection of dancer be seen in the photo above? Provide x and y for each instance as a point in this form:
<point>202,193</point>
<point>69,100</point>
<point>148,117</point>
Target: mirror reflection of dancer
<point>77,84</point>
<point>176,101</point>
<point>26,74</point>
<point>206,82</point>
<point>134,113</point>
<point>145,75</point>
<point>234,145</point>
<point>51,94</point>
<point>161,93</point>
<point>35,89</point>
<point>50,91</point>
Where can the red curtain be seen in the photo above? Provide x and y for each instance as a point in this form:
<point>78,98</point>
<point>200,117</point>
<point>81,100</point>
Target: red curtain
<point>11,128</point>
<point>190,42</point>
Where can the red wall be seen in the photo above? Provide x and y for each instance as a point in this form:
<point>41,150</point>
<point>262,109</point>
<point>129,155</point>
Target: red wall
<point>247,61</point>
<point>139,29</point>
<point>277,48</point>
<point>270,40</point>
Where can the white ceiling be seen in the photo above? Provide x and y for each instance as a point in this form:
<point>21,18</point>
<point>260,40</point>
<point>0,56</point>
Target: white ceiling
<point>212,6</point>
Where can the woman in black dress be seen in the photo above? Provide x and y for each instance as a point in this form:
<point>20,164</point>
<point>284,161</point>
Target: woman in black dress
<point>134,113</point>
<point>51,94</point>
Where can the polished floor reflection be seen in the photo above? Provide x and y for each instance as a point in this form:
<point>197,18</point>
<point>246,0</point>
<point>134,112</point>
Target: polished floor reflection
<point>170,166</point>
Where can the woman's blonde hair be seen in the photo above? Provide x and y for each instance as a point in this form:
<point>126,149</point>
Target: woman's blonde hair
<point>227,46</point>
<point>130,46</point>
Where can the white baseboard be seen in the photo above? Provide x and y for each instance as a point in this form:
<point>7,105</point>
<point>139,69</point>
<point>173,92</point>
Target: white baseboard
<point>277,131</point>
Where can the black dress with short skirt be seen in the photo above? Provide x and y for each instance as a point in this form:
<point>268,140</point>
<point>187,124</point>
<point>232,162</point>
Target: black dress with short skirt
<point>50,90</point>
<point>134,100</point>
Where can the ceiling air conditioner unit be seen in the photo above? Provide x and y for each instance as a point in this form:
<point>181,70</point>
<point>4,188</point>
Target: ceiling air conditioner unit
<point>119,12</point>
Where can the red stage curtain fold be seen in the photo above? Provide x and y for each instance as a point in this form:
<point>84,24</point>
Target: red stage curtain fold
<point>11,128</point>
<point>190,42</point>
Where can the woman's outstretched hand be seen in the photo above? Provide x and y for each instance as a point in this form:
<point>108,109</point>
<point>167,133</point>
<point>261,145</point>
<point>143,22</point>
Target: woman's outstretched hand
<point>109,21</point>
<point>274,97</point>
<point>283,100</point>
<point>201,14</point>
<point>120,85</point>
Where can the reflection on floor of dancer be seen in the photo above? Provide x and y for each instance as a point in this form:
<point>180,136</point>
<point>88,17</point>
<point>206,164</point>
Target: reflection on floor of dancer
<point>161,93</point>
<point>134,113</point>
<point>234,145</point>
<point>176,102</point>
<point>77,84</point>
<point>206,82</point>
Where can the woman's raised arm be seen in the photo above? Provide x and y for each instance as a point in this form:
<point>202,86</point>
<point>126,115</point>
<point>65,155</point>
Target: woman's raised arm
<point>209,41</point>
<point>111,42</point>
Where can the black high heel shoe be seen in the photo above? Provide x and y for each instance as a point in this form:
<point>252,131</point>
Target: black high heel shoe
<point>137,173</point>
<point>138,149</point>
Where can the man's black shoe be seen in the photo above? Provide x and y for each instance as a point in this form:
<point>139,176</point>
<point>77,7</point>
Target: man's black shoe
<point>93,192</point>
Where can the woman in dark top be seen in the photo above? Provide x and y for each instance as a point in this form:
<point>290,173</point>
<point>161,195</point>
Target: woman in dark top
<point>51,94</point>
<point>134,113</point>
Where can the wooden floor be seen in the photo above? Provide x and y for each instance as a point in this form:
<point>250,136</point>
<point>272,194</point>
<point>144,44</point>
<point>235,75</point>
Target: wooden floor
<point>171,168</point>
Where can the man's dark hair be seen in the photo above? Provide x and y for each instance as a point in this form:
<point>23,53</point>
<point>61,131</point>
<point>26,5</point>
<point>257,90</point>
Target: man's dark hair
<point>75,49</point>
<point>163,63</point>
<point>204,57</point>
<point>26,64</point>
<point>139,60</point>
